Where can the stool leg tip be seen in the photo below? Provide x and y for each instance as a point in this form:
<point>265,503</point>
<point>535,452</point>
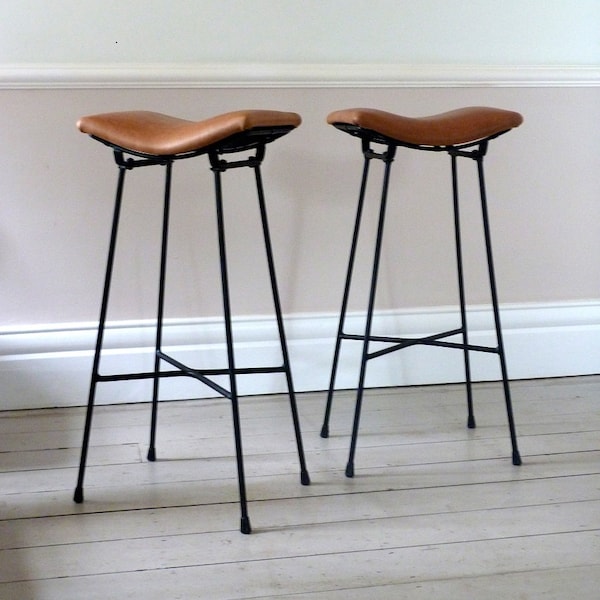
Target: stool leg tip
<point>78,496</point>
<point>350,470</point>
<point>151,454</point>
<point>471,422</point>
<point>325,431</point>
<point>245,526</point>
<point>304,478</point>
<point>516,458</point>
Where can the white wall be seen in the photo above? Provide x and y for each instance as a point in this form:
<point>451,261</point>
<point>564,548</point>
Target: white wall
<point>62,59</point>
<point>510,32</point>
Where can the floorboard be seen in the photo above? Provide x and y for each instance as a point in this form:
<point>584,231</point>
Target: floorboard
<point>434,511</point>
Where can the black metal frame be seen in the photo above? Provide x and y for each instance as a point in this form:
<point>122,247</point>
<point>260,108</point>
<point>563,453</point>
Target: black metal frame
<point>475,151</point>
<point>254,139</point>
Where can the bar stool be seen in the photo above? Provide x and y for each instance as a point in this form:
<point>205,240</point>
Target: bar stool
<point>140,139</point>
<point>462,133</point>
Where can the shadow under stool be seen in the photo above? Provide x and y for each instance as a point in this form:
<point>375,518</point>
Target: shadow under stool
<point>142,139</point>
<point>462,133</point>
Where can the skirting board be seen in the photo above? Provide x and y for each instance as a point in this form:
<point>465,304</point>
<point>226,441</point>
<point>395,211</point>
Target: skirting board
<point>50,366</point>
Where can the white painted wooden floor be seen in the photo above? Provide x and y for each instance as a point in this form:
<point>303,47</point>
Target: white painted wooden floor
<point>434,511</point>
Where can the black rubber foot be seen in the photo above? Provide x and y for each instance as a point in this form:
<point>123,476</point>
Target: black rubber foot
<point>78,496</point>
<point>325,431</point>
<point>516,458</point>
<point>245,526</point>
<point>151,454</point>
<point>304,478</point>
<point>350,470</point>
<point>471,422</point>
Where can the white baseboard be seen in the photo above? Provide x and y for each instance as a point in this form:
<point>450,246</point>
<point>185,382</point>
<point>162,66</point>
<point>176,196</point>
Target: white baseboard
<point>49,366</point>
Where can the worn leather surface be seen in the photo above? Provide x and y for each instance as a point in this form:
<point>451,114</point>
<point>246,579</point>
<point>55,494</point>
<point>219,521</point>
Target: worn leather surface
<point>447,129</point>
<point>162,135</point>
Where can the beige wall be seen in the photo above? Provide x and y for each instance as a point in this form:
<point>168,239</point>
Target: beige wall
<point>57,188</point>
<point>66,58</point>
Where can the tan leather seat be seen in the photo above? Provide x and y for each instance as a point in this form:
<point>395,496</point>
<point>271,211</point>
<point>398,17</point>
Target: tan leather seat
<point>162,135</point>
<point>447,129</point>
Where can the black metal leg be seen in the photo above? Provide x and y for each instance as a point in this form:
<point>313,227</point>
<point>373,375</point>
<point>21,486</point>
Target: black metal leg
<point>160,312</point>
<point>253,140</point>
<point>461,293</point>
<point>389,157</point>
<point>233,396</point>
<point>78,496</point>
<point>346,295</point>
<point>516,458</point>
<point>473,151</point>
<point>304,477</point>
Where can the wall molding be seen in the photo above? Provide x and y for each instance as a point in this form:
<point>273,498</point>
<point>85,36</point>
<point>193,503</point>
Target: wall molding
<point>48,366</point>
<point>274,75</point>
